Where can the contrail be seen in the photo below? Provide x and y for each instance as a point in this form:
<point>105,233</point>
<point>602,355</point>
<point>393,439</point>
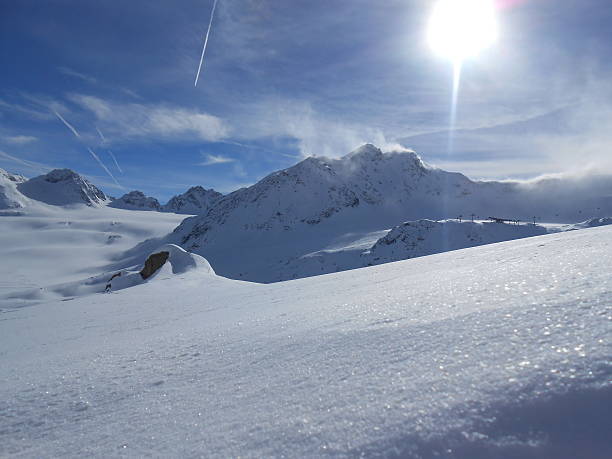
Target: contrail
<point>104,167</point>
<point>101,135</point>
<point>115,159</point>
<point>109,152</point>
<point>68,125</point>
<point>212,14</point>
<point>76,133</point>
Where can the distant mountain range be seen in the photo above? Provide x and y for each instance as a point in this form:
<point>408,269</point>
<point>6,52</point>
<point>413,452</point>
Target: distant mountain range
<point>323,215</point>
<point>64,187</point>
<point>196,200</point>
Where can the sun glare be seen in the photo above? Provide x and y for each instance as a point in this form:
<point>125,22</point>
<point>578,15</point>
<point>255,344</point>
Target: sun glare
<point>460,29</point>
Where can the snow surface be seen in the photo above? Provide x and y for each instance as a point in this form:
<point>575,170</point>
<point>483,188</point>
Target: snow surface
<point>498,351</point>
<point>49,252</point>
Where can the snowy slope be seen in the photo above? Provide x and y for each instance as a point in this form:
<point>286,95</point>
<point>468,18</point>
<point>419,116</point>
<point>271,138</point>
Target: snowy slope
<point>408,240</point>
<point>136,200</point>
<point>44,246</point>
<point>498,351</point>
<point>10,197</point>
<point>195,201</point>
<point>62,187</point>
<point>252,233</point>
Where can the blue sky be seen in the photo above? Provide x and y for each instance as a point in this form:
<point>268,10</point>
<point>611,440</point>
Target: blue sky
<point>283,80</point>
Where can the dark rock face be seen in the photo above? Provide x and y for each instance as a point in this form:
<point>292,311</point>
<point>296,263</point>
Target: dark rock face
<point>153,263</point>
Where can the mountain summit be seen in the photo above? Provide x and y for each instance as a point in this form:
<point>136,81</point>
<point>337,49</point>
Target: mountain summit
<point>62,187</point>
<point>196,200</point>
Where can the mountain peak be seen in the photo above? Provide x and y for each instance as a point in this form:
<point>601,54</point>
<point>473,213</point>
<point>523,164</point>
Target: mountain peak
<point>136,200</point>
<point>196,200</point>
<point>62,187</point>
<point>367,150</point>
<point>60,175</point>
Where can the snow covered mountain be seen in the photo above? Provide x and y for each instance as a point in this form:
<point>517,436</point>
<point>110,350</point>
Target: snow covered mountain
<point>498,351</point>
<point>10,197</point>
<point>195,201</point>
<point>136,200</point>
<point>62,187</point>
<point>251,233</point>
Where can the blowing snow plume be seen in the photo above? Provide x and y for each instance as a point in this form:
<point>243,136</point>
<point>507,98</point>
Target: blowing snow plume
<point>212,15</point>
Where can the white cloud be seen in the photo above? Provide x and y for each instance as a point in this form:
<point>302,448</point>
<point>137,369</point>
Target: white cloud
<point>132,120</point>
<point>210,160</point>
<point>20,139</point>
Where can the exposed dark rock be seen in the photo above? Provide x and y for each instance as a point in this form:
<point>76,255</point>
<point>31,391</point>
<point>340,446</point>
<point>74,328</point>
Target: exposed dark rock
<point>153,263</point>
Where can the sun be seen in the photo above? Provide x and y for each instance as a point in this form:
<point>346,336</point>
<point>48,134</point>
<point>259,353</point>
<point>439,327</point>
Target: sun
<point>460,29</point>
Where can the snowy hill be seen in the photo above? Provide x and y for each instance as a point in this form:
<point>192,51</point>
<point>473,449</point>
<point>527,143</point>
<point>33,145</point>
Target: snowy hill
<point>136,200</point>
<point>408,240</point>
<point>195,201</point>
<point>10,197</point>
<point>424,237</point>
<point>62,187</point>
<point>498,351</point>
<point>252,233</point>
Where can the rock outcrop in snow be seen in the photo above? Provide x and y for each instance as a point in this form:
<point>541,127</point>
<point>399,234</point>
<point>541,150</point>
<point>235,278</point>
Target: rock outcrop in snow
<point>136,200</point>
<point>62,187</point>
<point>196,201</point>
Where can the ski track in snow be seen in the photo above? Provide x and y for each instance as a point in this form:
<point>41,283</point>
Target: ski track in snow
<point>494,351</point>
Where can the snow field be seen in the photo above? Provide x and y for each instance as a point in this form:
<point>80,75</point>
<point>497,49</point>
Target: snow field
<point>494,351</point>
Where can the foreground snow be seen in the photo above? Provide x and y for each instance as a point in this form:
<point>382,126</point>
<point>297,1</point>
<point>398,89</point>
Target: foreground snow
<point>494,351</point>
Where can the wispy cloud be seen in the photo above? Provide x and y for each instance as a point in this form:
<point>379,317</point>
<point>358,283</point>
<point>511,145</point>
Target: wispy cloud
<point>19,139</point>
<point>81,76</point>
<point>28,165</point>
<point>132,120</point>
<point>210,160</point>
<point>29,112</point>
